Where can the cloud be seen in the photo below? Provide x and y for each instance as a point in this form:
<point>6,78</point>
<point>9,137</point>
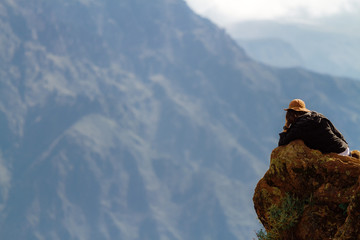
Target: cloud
<point>5,181</point>
<point>228,11</point>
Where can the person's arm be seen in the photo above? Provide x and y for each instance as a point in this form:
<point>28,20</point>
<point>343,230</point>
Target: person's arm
<point>335,131</point>
<point>286,126</point>
<point>291,134</point>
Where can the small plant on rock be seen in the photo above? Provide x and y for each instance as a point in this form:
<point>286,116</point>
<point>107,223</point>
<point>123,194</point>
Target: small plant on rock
<point>282,218</point>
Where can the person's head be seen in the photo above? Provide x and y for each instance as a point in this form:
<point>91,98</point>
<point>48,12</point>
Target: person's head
<point>292,115</point>
<point>296,109</point>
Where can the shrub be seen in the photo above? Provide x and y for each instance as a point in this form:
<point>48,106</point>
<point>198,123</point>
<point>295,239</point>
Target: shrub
<point>282,218</point>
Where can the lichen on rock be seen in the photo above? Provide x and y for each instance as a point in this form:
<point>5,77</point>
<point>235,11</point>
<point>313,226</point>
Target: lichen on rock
<point>320,191</point>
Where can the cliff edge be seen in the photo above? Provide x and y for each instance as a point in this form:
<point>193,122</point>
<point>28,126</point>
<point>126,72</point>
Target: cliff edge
<point>309,195</point>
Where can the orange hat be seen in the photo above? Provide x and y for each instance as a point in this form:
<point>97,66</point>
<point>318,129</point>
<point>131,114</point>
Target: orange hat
<point>297,105</point>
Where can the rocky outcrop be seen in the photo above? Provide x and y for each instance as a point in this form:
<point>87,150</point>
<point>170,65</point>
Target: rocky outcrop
<point>309,195</point>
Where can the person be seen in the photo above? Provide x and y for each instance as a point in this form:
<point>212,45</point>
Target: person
<point>313,128</point>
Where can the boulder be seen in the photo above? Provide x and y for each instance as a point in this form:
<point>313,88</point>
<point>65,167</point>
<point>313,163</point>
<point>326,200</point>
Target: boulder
<point>309,195</point>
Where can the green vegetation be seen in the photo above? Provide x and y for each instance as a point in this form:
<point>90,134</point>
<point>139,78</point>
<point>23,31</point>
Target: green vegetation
<point>343,207</point>
<point>282,218</point>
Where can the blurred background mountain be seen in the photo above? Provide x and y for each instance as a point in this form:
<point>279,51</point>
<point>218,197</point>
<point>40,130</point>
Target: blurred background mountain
<point>316,47</point>
<point>320,36</point>
<point>139,119</point>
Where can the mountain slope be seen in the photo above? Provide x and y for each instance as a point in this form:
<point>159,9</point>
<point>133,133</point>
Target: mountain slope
<point>137,120</point>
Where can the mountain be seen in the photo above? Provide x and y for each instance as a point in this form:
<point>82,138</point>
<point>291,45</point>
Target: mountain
<point>272,51</point>
<point>139,120</point>
<point>318,47</point>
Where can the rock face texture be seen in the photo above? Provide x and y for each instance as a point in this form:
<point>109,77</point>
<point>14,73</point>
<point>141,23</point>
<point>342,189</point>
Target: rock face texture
<point>309,195</point>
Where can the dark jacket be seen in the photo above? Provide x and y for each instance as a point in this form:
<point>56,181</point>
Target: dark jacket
<point>317,132</point>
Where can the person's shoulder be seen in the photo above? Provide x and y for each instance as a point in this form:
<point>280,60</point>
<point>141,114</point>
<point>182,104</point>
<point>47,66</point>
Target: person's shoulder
<point>319,116</point>
<point>310,118</point>
<point>315,115</point>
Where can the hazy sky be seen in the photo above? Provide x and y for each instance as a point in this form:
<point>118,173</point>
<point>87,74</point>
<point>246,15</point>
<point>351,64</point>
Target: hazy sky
<point>225,12</point>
